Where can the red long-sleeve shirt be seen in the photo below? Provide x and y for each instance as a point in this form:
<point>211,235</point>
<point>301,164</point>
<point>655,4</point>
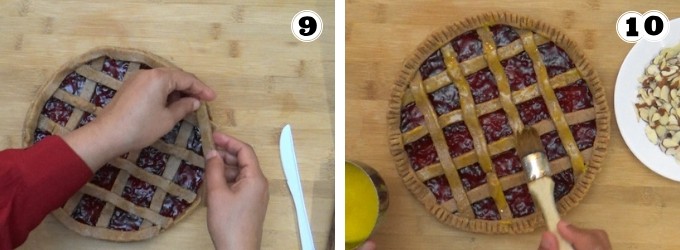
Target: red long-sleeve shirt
<point>33,182</point>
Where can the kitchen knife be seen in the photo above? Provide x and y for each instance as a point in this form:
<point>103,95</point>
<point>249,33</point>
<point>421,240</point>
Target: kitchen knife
<point>290,170</point>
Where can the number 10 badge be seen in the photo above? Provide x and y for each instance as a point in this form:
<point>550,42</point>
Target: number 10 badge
<point>652,26</point>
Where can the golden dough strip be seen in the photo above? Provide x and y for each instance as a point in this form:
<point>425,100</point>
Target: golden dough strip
<point>551,102</point>
<point>504,91</point>
<point>470,118</point>
<point>439,141</point>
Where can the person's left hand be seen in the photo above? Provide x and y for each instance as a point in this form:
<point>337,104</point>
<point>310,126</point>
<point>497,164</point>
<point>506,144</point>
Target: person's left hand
<point>237,194</point>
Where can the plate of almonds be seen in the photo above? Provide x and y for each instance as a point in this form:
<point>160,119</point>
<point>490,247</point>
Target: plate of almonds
<point>647,102</point>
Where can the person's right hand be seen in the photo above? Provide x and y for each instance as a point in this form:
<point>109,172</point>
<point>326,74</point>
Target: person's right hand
<point>368,245</point>
<point>147,106</point>
<point>580,238</point>
<point>237,194</point>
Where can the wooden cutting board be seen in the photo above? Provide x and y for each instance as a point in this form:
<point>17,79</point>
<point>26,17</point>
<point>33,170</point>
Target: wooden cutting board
<point>638,208</point>
<point>263,76</point>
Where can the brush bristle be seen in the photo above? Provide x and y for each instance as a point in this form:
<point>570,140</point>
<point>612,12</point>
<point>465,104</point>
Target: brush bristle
<point>528,142</point>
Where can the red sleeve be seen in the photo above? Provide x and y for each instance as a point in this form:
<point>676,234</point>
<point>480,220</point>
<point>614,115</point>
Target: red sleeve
<point>33,182</point>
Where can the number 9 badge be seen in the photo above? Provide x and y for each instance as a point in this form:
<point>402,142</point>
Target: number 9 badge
<point>306,26</point>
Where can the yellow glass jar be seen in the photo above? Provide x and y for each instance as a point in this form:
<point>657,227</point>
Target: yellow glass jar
<point>366,200</point>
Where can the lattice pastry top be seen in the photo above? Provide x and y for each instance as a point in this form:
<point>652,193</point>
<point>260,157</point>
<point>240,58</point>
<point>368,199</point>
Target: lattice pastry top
<point>461,98</point>
<point>138,194</point>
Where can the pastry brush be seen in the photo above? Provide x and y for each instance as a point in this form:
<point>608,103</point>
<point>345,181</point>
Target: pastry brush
<point>541,186</point>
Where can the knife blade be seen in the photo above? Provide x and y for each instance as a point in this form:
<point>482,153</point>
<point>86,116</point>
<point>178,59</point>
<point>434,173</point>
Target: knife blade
<point>290,170</point>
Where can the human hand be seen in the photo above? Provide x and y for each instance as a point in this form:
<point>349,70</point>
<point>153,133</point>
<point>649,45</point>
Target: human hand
<point>237,194</point>
<point>152,97</point>
<point>147,106</point>
<point>579,238</point>
<point>368,245</point>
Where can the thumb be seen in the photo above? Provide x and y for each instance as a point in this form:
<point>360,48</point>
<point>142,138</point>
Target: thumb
<point>214,170</point>
<point>180,108</point>
<point>579,237</point>
<point>548,241</point>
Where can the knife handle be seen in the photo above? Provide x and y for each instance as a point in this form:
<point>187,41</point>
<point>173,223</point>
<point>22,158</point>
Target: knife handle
<point>306,239</point>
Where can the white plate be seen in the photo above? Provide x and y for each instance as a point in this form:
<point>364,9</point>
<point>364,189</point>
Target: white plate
<point>625,97</point>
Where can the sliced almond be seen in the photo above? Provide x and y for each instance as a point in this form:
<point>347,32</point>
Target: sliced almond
<point>676,137</point>
<point>673,128</point>
<point>661,131</point>
<point>657,92</point>
<point>664,93</point>
<point>664,120</point>
<point>653,69</point>
<point>643,113</point>
<point>669,143</point>
<point>651,135</point>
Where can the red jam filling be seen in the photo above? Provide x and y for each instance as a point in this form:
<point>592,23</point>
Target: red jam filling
<point>564,182</point>
<point>506,163</point>
<point>138,192</point>
<point>553,145</point>
<point>105,177</point>
<point>170,137</point>
<point>57,111</point>
<point>115,68</point>
<point>411,117</point>
<point>485,209</point>
<point>445,99</point>
<point>124,221</point>
<point>88,210</point>
<point>194,142</point>
<point>495,125</point>
<point>73,83</point>
<point>574,97</point>
<point>483,86</point>
<point>555,59</point>
<point>421,153</point>
<point>533,111</point>
<point>189,176</point>
<point>458,139</point>
<point>472,176</point>
<point>102,95</point>
<point>503,34</point>
<point>467,45</point>
<point>85,119</point>
<point>432,65</point>
<point>520,71</point>
<point>173,206</point>
<point>519,201</point>
<point>584,134</point>
<point>39,135</point>
<point>440,188</point>
<point>152,160</point>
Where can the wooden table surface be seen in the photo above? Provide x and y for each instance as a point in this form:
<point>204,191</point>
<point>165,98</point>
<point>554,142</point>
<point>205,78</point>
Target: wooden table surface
<point>638,208</point>
<point>264,78</point>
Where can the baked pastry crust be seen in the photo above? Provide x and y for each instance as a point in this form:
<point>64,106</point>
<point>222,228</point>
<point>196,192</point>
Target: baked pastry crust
<point>149,194</point>
<point>415,90</point>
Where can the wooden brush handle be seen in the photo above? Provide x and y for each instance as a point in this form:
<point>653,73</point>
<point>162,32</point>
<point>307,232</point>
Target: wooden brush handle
<point>542,191</point>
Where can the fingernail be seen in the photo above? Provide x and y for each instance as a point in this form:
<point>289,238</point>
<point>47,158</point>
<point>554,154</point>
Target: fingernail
<point>211,154</point>
<point>196,104</point>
